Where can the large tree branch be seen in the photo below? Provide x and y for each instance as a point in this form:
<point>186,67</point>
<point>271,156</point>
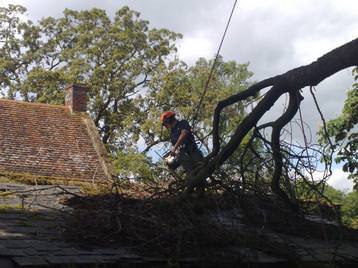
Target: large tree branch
<point>295,79</point>
<point>295,99</point>
<point>250,92</point>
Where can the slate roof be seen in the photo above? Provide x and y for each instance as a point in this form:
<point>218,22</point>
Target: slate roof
<point>49,140</point>
<point>31,235</point>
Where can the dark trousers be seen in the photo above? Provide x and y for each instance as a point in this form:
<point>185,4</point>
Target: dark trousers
<point>191,160</point>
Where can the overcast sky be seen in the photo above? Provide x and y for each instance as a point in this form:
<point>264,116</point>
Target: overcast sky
<point>273,35</point>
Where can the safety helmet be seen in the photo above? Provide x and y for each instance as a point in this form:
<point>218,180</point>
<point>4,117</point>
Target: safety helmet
<point>164,116</point>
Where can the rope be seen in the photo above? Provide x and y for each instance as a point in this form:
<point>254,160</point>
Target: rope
<point>323,228</point>
<point>213,66</point>
<point>328,167</point>
<point>306,144</point>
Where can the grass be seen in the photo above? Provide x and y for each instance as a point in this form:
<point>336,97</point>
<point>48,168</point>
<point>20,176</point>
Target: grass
<point>87,188</point>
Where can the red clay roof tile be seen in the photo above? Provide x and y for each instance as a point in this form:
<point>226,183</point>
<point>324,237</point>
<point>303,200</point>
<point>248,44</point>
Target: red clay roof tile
<point>46,140</point>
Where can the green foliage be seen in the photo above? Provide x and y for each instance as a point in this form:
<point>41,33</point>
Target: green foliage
<point>115,57</point>
<point>350,209</point>
<point>336,196</point>
<point>180,87</point>
<point>305,191</point>
<point>131,68</point>
<point>131,164</point>
<point>347,201</point>
<point>344,131</point>
<point>19,42</point>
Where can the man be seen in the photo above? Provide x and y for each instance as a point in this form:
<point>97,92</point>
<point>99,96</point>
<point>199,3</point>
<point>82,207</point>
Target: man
<point>183,141</point>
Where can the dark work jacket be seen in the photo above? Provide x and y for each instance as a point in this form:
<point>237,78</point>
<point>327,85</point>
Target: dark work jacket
<point>189,141</point>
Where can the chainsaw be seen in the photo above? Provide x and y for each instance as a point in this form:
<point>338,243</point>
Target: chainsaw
<point>172,161</point>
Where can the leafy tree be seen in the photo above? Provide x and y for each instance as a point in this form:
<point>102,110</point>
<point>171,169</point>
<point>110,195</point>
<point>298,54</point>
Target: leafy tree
<point>344,131</point>
<point>336,196</point>
<point>350,209</point>
<point>133,165</point>
<point>320,191</point>
<point>19,42</point>
<point>117,58</point>
<point>348,202</point>
<point>130,69</point>
<point>180,87</point>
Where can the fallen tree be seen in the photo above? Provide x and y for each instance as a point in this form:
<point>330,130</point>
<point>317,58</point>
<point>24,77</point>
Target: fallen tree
<point>154,222</point>
<point>289,83</point>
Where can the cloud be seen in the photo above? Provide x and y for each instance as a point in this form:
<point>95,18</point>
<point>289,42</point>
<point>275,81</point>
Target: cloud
<point>279,35</point>
<point>192,47</point>
<point>338,180</point>
<point>272,35</point>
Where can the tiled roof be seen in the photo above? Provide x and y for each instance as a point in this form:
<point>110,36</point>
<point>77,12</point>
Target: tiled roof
<point>47,140</point>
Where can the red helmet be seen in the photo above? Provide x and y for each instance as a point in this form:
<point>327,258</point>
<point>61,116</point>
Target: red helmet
<point>166,115</point>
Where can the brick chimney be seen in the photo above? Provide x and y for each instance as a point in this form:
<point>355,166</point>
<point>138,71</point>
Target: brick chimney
<point>75,97</point>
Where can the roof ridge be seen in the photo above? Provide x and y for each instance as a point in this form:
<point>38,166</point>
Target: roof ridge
<point>34,103</point>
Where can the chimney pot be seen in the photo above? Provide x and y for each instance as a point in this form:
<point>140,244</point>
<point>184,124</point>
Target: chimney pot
<point>76,97</point>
